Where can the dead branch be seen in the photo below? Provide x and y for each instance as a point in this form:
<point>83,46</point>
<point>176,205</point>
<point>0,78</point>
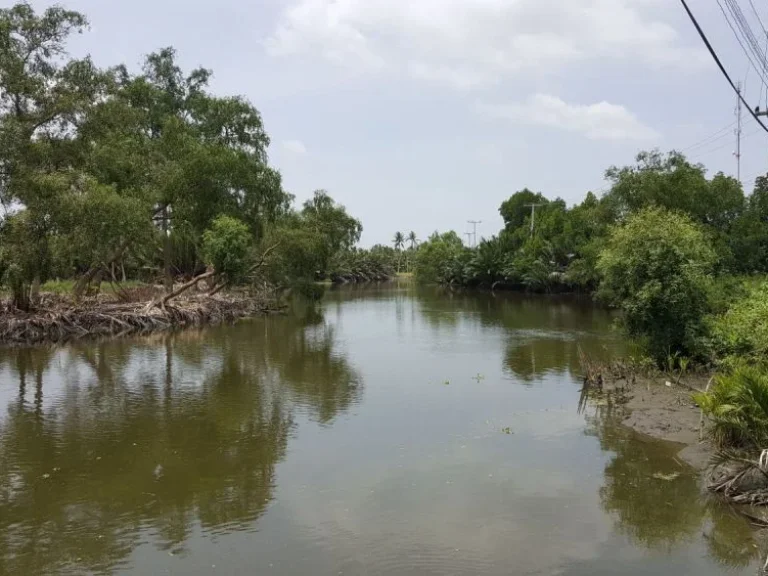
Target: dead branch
<point>180,290</point>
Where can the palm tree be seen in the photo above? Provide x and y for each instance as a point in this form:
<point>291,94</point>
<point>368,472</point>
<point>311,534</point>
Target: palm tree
<point>412,239</point>
<point>399,242</point>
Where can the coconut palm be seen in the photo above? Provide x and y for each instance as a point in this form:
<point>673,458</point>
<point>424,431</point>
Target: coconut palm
<point>412,239</point>
<point>399,242</point>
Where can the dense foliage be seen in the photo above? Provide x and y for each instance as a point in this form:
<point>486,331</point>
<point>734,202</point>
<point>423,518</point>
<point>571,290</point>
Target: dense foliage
<point>656,244</point>
<point>738,407</point>
<point>655,267</point>
<point>106,169</point>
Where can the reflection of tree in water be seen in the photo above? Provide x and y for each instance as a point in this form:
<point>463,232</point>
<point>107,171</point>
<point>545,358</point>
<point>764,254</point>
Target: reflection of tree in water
<point>729,539</point>
<point>543,332</point>
<point>133,443</point>
<point>656,500</point>
<point>532,357</point>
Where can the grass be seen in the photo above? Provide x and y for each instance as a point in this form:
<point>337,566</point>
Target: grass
<point>67,286</point>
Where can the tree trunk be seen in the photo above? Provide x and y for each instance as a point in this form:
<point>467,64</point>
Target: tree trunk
<point>181,289</point>
<point>34,291</point>
<point>168,277</point>
<point>86,278</point>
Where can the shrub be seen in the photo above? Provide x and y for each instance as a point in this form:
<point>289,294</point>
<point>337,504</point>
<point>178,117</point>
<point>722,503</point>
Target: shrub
<point>441,259</point>
<point>743,330</point>
<point>226,245</point>
<point>655,269</point>
<point>738,407</point>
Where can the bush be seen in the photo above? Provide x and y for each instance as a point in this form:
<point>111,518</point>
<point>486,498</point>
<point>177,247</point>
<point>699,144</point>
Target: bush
<point>442,259</point>
<point>655,269</point>
<point>738,407</point>
<point>226,245</point>
<point>743,330</point>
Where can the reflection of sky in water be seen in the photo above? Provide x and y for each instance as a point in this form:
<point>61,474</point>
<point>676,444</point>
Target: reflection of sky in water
<point>379,448</point>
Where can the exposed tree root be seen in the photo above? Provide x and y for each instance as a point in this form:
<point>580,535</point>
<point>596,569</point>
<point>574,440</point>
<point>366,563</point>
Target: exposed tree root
<point>64,320</point>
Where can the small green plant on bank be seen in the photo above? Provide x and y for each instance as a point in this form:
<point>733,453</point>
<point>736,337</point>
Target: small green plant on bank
<point>737,405</point>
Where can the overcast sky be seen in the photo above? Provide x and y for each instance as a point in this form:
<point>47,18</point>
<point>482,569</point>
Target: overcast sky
<point>423,114</point>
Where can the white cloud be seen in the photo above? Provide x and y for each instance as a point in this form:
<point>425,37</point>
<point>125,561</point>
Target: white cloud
<point>294,146</point>
<point>600,121</point>
<point>470,43</point>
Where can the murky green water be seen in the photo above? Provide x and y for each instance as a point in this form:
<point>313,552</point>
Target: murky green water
<point>369,437</point>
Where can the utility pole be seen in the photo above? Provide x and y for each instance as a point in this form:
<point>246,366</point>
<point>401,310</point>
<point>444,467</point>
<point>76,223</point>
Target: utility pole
<point>474,225</point>
<point>469,236</point>
<point>533,213</point>
<point>738,131</point>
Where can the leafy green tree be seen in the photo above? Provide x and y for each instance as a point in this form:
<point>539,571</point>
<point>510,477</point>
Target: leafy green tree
<point>226,246</point>
<point>672,182</point>
<point>307,241</point>
<point>42,98</point>
<point>655,268</point>
<point>442,259</point>
<point>517,208</point>
<point>331,221</point>
<point>209,153</point>
<point>749,234</point>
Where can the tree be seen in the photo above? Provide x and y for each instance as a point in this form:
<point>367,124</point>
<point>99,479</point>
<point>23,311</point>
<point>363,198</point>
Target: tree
<point>399,242</point>
<point>442,259</point>
<point>672,182</point>
<point>748,238</point>
<point>517,208</point>
<point>209,152</point>
<point>42,99</point>
<point>655,269</point>
<point>226,245</point>
<point>309,240</point>
<point>413,239</point>
<point>331,221</point>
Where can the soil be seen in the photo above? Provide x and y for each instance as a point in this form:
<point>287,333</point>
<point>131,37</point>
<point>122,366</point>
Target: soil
<point>667,412</point>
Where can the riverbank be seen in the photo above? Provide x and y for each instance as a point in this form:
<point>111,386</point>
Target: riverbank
<point>57,318</point>
<point>668,413</point>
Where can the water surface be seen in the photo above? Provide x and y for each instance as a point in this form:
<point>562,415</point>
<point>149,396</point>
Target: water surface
<point>388,431</point>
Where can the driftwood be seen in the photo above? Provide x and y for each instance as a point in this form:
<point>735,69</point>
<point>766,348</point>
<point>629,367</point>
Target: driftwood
<point>179,291</point>
<point>252,270</point>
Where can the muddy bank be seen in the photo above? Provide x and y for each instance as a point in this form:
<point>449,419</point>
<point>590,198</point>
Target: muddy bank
<point>667,413</point>
<point>58,319</point>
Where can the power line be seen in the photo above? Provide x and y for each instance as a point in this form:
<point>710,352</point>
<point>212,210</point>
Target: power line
<point>712,138</point>
<point>738,39</point>
<point>757,14</point>
<point>747,33</point>
<point>720,64</point>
